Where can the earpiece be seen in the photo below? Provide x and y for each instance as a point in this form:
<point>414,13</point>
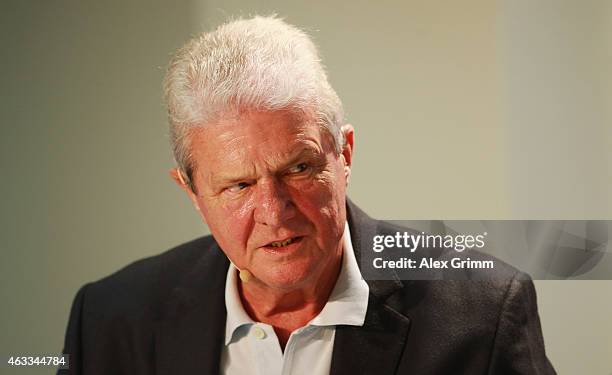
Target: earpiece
<point>245,275</point>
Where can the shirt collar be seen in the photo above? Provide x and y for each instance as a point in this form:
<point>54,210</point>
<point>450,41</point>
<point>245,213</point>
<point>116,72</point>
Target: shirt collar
<point>347,303</point>
<point>236,316</point>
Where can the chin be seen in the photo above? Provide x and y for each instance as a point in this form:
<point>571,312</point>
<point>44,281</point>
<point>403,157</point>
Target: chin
<point>288,276</point>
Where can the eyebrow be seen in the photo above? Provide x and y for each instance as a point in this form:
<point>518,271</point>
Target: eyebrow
<point>304,150</point>
<point>300,154</point>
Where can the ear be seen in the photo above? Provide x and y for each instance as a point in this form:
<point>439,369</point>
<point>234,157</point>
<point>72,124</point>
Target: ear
<point>347,150</point>
<point>177,175</point>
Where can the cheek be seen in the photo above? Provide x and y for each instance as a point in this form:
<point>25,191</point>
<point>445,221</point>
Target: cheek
<point>322,202</point>
<point>229,223</point>
<point>326,184</point>
<point>316,196</point>
<point>330,186</point>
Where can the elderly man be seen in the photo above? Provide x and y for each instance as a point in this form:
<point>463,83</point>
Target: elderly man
<point>264,155</point>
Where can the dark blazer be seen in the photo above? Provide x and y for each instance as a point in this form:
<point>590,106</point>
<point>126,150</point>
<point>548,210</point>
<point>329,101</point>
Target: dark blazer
<point>166,315</point>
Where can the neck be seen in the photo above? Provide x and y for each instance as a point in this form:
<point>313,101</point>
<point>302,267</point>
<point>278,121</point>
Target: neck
<point>288,310</point>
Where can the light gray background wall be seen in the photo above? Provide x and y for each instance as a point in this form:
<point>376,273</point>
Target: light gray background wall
<point>473,109</point>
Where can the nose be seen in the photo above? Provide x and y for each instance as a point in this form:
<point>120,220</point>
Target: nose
<point>273,205</point>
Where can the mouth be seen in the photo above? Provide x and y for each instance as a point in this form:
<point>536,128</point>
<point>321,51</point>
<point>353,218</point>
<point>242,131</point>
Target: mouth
<point>280,245</point>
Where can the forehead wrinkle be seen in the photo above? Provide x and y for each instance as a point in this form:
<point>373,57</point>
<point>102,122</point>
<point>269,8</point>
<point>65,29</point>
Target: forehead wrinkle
<point>235,175</point>
<point>250,151</point>
<point>297,150</point>
<point>231,160</point>
<point>272,163</point>
<point>274,154</point>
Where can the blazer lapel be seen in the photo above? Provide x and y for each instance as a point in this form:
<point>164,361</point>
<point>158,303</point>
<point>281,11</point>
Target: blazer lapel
<point>377,346</point>
<point>189,337</point>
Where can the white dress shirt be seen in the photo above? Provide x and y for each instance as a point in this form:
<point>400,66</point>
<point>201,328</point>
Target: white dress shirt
<point>253,348</point>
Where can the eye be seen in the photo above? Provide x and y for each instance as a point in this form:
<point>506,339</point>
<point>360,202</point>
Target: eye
<point>299,168</point>
<point>236,188</point>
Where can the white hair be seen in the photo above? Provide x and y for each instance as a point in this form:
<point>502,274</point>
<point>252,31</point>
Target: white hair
<point>261,63</point>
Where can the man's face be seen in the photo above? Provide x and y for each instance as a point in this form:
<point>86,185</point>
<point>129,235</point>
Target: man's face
<point>272,190</point>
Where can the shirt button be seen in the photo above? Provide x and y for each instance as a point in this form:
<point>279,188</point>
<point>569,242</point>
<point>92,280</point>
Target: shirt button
<point>259,333</point>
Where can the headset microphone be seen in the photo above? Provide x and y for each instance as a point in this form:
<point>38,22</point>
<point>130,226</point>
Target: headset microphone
<point>245,275</point>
